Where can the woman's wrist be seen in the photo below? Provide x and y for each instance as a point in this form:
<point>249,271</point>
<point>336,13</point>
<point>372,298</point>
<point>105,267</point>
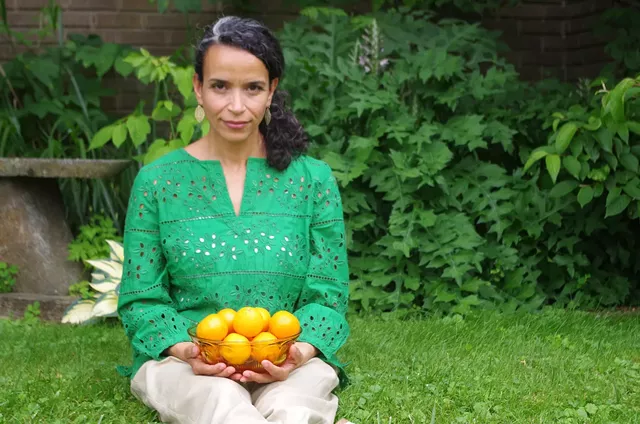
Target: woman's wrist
<point>308,350</point>
<point>177,350</point>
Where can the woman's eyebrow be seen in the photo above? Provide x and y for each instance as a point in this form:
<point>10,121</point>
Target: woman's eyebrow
<point>256,82</point>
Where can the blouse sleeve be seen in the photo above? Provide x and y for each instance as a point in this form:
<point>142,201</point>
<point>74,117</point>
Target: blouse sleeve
<point>146,309</point>
<point>323,301</point>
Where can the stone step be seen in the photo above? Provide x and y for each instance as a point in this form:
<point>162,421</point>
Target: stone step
<point>52,307</point>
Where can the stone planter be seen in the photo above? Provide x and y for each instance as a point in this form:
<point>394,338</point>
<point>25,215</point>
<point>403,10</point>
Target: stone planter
<point>33,232</point>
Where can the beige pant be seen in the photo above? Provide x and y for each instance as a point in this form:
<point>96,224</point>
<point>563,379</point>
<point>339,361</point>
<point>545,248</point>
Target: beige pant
<point>170,387</point>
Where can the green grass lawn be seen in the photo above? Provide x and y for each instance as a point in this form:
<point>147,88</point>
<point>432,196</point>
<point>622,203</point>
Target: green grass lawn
<point>556,367</point>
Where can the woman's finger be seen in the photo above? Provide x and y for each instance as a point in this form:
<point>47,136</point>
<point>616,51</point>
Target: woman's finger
<point>261,378</point>
<point>200,368</point>
<point>227,372</point>
<point>295,354</point>
<point>279,373</point>
<point>236,377</point>
<point>192,351</point>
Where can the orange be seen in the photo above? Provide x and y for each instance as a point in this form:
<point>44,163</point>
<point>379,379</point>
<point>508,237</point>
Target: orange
<point>248,322</point>
<point>265,346</point>
<point>212,327</point>
<point>236,349</point>
<point>284,324</point>
<point>266,316</point>
<point>228,314</point>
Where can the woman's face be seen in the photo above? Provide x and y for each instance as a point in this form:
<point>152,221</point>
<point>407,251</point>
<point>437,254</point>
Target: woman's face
<point>234,92</point>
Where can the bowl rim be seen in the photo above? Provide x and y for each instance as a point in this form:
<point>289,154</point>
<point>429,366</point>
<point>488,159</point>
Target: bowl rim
<point>192,333</point>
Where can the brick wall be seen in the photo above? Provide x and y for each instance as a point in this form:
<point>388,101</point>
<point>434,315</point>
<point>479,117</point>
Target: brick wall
<point>553,37</point>
<point>135,22</point>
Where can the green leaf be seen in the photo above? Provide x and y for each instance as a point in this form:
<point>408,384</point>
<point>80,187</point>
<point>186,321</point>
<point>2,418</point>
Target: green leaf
<point>536,155</point>
<point>101,137</point>
<point>427,218</point>
<point>605,138</point>
<point>187,126</point>
<point>123,67</point>
<point>565,135</point>
<point>613,195</point>
<point>186,6</point>
<point>615,99</point>
<point>572,165</point>
<point>412,283</point>
<point>634,127</point>
<point>632,188</point>
<point>585,195</point>
<point>617,203</point>
<point>598,189</point>
<point>473,285</point>
<point>563,188</point>
<point>119,134</point>
<point>3,12</point>
<point>205,127</point>
<point>591,408</point>
<point>163,5</point>
<point>139,128</point>
<point>106,57</point>
<point>629,161</point>
<point>156,150</point>
<point>183,78</point>
<point>44,69</point>
<point>600,174</point>
<point>623,132</point>
<point>577,146</point>
<point>553,166</point>
<point>465,130</point>
<point>594,124</point>
<point>611,160</point>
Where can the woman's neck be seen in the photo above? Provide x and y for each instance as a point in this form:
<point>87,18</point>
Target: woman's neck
<point>234,154</point>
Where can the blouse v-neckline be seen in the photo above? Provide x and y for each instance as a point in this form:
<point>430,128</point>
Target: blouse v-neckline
<point>251,166</point>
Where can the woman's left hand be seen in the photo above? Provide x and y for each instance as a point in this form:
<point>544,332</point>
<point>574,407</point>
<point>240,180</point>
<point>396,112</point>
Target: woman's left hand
<point>299,354</point>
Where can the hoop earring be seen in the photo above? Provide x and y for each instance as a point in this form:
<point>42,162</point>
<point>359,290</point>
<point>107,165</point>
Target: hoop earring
<point>267,116</point>
<point>199,114</point>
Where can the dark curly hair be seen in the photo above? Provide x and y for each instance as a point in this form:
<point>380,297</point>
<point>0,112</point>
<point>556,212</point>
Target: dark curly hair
<point>285,138</point>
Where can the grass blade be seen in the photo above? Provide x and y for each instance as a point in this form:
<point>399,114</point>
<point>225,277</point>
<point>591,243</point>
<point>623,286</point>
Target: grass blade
<point>76,89</point>
<point>433,413</point>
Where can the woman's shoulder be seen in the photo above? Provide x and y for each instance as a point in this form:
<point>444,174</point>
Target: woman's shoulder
<point>317,169</point>
<point>174,157</point>
<point>171,162</point>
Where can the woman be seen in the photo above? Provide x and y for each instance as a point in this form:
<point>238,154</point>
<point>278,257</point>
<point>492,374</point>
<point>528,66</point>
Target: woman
<point>238,218</point>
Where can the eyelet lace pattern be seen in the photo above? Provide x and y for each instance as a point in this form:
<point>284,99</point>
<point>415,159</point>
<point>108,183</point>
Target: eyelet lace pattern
<point>188,254</point>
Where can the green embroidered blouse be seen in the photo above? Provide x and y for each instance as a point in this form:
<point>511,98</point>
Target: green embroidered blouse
<point>187,254</point>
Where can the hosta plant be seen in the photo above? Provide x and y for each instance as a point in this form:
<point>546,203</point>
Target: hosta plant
<point>106,283</point>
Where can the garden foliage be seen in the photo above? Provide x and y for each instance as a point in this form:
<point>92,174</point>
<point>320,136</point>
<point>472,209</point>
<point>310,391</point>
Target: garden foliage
<point>463,186</point>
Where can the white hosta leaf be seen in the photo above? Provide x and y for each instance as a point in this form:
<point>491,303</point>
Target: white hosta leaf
<point>79,312</point>
<point>112,268</point>
<point>117,251</point>
<point>104,286</point>
<point>106,306</point>
<point>98,277</point>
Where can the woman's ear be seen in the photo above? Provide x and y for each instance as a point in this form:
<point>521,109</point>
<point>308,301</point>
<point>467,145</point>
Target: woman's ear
<point>197,88</point>
<point>272,89</point>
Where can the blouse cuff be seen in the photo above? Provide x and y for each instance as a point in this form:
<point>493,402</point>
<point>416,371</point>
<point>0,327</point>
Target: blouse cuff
<point>162,329</point>
<point>323,328</point>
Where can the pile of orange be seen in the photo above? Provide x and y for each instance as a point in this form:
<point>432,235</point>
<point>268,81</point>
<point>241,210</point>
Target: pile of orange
<point>248,333</point>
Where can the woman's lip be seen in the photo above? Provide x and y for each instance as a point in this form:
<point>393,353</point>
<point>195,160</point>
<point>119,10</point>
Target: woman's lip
<point>235,124</point>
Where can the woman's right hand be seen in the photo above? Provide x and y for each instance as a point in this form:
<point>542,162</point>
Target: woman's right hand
<point>190,353</point>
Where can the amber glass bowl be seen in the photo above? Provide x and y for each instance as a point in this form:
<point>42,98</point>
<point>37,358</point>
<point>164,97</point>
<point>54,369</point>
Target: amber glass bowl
<point>213,351</point>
